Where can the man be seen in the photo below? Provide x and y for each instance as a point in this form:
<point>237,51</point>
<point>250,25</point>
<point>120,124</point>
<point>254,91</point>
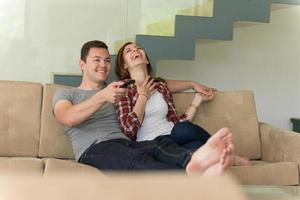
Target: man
<point>91,124</point>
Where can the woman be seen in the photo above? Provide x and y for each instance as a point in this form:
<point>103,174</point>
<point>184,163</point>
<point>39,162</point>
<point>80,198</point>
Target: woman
<point>147,110</point>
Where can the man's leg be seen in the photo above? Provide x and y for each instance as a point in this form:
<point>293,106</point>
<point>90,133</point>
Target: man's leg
<point>211,152</point>
<point>117,155</point>
<point>224,163</point>
<point>165,150</point>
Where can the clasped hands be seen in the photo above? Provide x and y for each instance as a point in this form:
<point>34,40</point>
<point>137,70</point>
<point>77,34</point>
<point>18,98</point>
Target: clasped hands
<point>201,97</point>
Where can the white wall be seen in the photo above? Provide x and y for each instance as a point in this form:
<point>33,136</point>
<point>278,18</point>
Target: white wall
<point>41,37</point>
<point>264,58</point>
<point>38,38</point>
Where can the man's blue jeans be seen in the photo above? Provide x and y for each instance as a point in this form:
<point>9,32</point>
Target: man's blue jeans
<point>122,154</point>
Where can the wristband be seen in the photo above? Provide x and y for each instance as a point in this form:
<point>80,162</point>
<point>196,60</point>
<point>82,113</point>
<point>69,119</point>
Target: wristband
<point>143,95</point>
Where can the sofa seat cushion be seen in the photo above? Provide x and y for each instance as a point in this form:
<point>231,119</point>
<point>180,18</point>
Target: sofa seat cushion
<point>264,173</point>
<point>22,165</point>
<point>58,167</point>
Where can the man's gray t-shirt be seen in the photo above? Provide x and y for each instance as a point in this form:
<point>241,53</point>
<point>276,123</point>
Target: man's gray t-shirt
<point>101,126</point>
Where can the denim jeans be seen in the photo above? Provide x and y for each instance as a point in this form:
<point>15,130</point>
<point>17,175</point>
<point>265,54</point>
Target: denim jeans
<point>189,135</point>
<point>122,154</point>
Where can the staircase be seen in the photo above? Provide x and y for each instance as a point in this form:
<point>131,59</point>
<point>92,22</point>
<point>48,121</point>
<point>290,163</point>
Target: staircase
<point>188,29</point>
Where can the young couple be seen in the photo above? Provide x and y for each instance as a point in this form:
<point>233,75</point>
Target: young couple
<point>91,123</point>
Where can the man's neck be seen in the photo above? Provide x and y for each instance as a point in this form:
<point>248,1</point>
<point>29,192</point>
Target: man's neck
<point>85,85</point>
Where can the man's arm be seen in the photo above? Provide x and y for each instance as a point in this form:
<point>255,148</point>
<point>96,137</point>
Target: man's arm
<point>180,85</point>
<point>71,115</point>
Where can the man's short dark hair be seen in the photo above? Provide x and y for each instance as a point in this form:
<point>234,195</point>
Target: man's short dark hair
<point>91,44</point>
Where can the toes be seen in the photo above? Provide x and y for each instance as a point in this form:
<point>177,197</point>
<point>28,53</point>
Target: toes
<point>223,132</point>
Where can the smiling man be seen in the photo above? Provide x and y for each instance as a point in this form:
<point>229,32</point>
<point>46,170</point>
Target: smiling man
<point>90,121</point>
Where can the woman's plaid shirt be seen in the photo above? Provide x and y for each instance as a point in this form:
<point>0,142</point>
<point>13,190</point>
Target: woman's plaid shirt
<point>128,119</point>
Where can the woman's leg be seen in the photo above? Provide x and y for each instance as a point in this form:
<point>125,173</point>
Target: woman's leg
<point>189,135</point>
<point>166,150</point>
<point>192,136</point>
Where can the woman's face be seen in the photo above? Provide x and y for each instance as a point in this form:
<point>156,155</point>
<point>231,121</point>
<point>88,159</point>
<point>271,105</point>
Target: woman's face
<point>134,55</point>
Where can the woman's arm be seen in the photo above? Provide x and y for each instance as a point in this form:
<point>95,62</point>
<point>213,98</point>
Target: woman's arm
<point>131,114</point>
<point>144,91</point>
<point>198,99</point>
<point>128,119</point>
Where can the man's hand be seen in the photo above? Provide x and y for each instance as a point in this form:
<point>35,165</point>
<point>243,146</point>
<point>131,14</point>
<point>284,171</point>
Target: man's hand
<point>112,92</point>
<point>202,89</point>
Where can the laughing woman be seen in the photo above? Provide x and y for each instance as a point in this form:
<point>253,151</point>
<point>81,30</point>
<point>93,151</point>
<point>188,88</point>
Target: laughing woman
<point>147,110</point>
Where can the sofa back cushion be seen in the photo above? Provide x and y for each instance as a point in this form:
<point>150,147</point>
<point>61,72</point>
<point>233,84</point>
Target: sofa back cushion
<point>54,143</point>
<point>235,110</point>
<point>20,109</point>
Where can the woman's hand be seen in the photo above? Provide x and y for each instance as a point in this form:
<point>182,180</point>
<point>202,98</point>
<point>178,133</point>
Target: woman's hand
<point>206,97</point>
<point>203,89</point>
<point>146,88</point>
<point>200,97</point>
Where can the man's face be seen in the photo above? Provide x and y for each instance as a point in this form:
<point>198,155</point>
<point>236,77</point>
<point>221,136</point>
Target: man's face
<point>97,65</point>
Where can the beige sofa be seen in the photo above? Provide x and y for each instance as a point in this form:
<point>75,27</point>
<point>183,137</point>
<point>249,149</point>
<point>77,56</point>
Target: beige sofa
<point>275,152</point>
<point>31,141</point>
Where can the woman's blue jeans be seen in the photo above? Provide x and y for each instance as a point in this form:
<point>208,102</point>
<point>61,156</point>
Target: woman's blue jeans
<point>189,135</point>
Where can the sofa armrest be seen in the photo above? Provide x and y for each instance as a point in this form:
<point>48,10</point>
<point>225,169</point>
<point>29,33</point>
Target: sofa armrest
<point>279,144</point>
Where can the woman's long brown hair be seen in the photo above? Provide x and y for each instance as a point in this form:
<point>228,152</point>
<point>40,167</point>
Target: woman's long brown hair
<point>123,73</point>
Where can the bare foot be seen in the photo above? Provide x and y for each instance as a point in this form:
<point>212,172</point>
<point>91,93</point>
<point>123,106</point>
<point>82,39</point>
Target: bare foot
<point>224,163</point>
<point>210,153</point>
<point>238,160</point>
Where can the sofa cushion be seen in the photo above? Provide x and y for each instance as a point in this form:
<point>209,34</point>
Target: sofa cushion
<point>264,173</point>
<point>21,165</point>
<point>56,167</point>
<point>54,143</point>
<point>20,109</point>
<point>235,110</point>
